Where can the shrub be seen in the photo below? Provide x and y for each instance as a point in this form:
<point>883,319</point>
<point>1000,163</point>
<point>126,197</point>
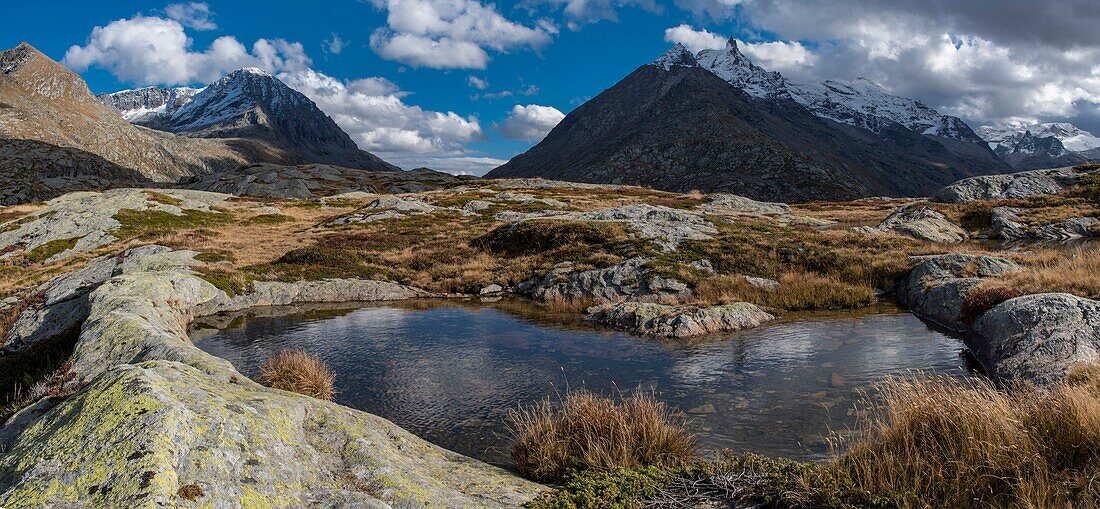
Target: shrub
<point>190,492</point>
<point>540,235</point>
<point>589,431</point>
<point>298,371</point>
<point>983,298</point>
<point>797,291</point>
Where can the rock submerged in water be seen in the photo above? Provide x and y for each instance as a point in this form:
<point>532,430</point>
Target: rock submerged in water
<point>679,322</point>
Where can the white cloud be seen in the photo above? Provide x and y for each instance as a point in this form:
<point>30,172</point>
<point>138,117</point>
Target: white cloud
<point>578,13</point>
<point>531,122</point>
<point>694,40</point>
<point>529,90</point>
<point>450,34</point>
<point>150,50</point>
<point>477,83</point>
<point>334,44</point>
<point>194,15</point>
<point>717,10</point>
<point>374,114</point>
<point>783,56</point>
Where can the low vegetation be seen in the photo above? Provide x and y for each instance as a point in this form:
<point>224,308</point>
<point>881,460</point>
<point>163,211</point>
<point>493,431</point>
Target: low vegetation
<point>926,442</point>
<point>59,383</point>
<point>587,431</point>
<point>298,371</point>
<point>51,248</point>
<point>1075,271</point>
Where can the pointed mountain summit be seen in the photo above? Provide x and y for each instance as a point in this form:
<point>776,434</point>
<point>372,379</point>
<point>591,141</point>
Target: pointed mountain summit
<point>250,103</point>
<point>726,124</point>
<point>677,55</point>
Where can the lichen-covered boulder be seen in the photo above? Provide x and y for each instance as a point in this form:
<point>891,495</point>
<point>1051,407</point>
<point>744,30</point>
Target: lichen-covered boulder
<point>1010,186</point>
<point>1007,224</point>
<point>725,204</point>
<point>1037,338</point>
<point>627,279</point>
<point>922,223</point>
<point>665,226</point>
<point>139,433</point>
<point>679,322</point>
<point>936,287</point>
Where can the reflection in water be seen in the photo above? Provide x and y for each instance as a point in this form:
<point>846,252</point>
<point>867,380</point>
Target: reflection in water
<point>450,374</point>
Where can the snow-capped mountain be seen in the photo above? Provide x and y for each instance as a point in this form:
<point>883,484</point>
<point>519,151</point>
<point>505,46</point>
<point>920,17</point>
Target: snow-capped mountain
<point>1046,145</point>
<point>861,103</point>
<point>149,105</point>
<point>678,124</point>
<point>252,104</point>
<point>1073,138</point>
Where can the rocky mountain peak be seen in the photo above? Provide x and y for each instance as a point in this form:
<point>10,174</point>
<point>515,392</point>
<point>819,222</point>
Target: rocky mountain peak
<point>678,55</point>
<point>38,74</point>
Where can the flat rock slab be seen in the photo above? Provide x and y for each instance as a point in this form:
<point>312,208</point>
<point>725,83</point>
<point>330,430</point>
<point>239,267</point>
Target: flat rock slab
<point>1010,186</point>
<point>679,322</point>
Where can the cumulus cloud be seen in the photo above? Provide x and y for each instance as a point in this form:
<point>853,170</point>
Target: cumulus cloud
<point>973,59</point>
<point>151,50</point>
<point>194,15</point>
<point>716,10</point>
<point>694,40</point>
<point>450,34</point>
<point>373,112</point>
<point>531,122</point>
<point>578,13</point>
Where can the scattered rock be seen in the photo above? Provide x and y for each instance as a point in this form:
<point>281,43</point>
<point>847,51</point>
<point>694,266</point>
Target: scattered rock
<point>527,199</point>
<point>726,204</point>
<point>666,226</point>
<point>679,322</point>
<point>476,205</point>
<point>762,282</point>
<point>491,289</point>
<point>391,207</point>
<point>1006,225</point>
<point>703,266</point>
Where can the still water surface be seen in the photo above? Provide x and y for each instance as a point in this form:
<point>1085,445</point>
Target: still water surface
<point>449,373</point>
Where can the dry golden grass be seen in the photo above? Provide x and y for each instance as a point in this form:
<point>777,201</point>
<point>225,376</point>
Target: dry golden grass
<point>797,290</point>
<point>1075,271</point>
<point>298,371</point>
<point>589,431</point>
<point>941,442</point>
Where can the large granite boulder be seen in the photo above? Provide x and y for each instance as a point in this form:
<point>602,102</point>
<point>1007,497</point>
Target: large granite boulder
<point>922,223</point>
<point>678,322</point>
<point>1037,338</point>
<point>935,289</point>
<point>1010,186</point>
<point>161,420</point>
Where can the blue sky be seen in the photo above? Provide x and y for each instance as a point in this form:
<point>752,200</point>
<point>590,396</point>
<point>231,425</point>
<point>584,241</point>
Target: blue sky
<point>401,83</point>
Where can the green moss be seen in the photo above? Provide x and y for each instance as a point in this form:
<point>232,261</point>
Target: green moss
<point>51,248</point>
<point>163,198</point>
<point>136,223</point>
<point>614,489</point>
<point>233,283</point>
<point>269,219</point>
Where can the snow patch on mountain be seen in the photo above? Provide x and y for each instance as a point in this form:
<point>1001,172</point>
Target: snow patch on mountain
<point>677,55</point>
<point>861,103</point>
<point>146,105</point>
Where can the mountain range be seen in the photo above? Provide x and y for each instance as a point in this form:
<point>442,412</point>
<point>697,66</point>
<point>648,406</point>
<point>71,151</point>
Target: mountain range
<point>715,121</point>
<point>1036,146</point>
<point>56,136</point>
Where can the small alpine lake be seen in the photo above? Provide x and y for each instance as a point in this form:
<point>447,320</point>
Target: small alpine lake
<point>450,371</point>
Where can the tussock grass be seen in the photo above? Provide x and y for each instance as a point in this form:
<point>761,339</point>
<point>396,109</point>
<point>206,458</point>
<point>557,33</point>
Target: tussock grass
<point>983,298</point>
<point>1076,272</point>
<point>540,235</point>
<point>298,371</point>
<point>941,442</point>
<point>588,431</point>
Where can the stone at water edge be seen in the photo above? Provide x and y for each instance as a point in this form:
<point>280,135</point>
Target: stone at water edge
<point>679,322</point>
<point>936,287</point>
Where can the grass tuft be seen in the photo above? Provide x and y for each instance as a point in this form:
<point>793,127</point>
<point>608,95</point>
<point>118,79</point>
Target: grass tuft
<point>983,298</point>
<point>298,371</point>
<point>541,235</point>
<point>51,248</point>
<point>588,431</point>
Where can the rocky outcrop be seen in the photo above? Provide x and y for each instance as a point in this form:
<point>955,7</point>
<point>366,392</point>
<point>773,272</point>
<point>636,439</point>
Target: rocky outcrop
<point>665,226</point>
<point>159,414</point>
<point>1010,186</point>
<point>85,221</point>
<point>727,204</point>
<point>627,279</point>
<point>391,207</point>
<point>1037,338</point>
<point>936,287</point>
<point>919,222</point>
<point>319,180</point>
<point>1006,224</point>
<point>678,322</point>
